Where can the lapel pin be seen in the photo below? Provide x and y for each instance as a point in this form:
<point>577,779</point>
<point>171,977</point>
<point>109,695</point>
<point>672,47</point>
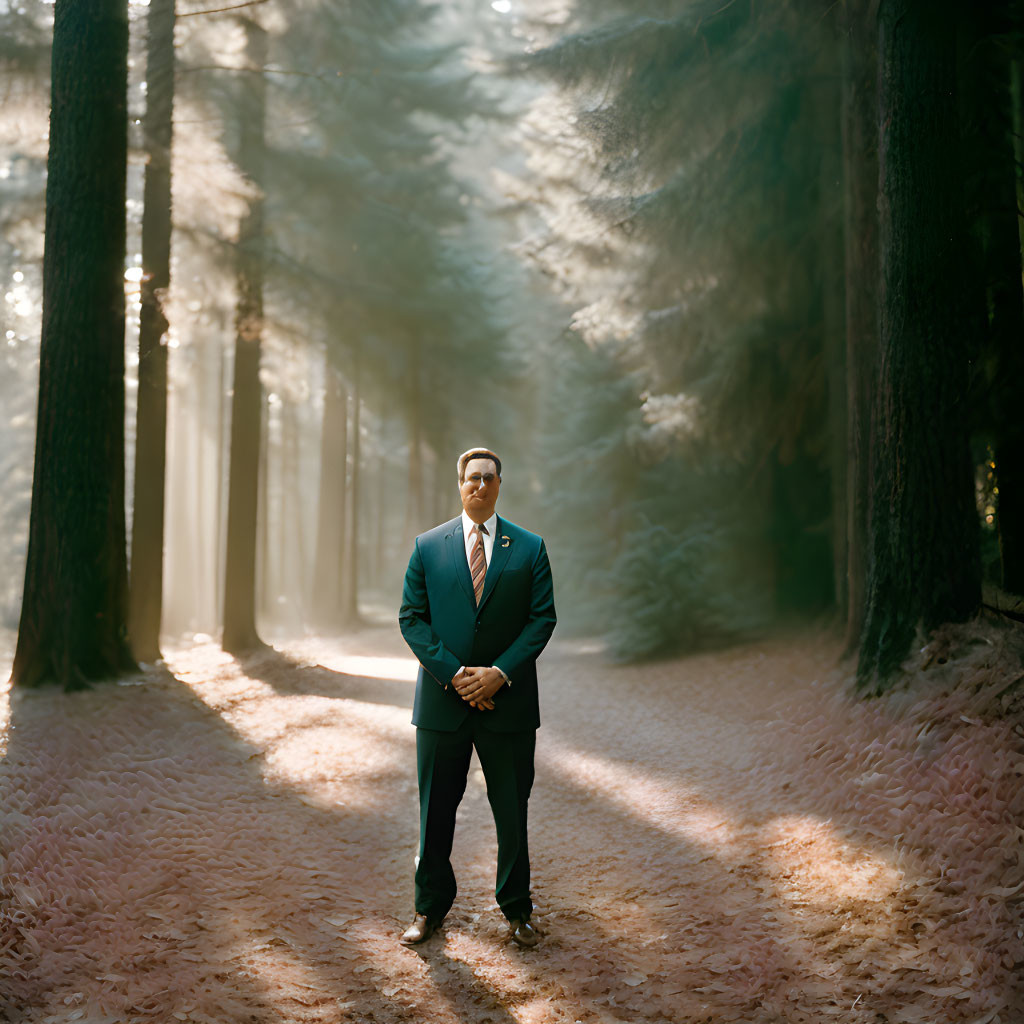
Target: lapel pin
<point>505,541</point>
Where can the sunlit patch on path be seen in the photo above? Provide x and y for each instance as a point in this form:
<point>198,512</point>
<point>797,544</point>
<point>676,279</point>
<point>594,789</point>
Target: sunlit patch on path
<point>233,840</point>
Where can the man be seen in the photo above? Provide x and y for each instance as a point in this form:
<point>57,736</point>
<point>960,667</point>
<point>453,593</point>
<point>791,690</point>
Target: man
<point>477,610</point>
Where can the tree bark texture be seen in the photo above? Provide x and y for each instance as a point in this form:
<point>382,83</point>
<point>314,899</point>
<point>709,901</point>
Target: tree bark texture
<point>924,529</point>
<point>240,633</point>
<point>329,570</point>
<point>74,607</point>
<point>264,564</point>
<point>860,188</point>
<point>146,591</point>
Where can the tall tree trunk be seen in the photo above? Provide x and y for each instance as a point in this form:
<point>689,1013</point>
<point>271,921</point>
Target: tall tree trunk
<point>205,482</point>
<point>223,441</point>
<point>293,518</point>
<point>350,592</point>
<point>74,608</point>
<point>1010,456</point>
<point>329,570</point>
<point>264,573</point>
<point>179,603</point>
<point>276,594</point>
<point>860,177</point>
<point>382,528</point>
<point>924,530</point>
<point>1006,304</point>
<point>243,486</point>
<point>147,563</point>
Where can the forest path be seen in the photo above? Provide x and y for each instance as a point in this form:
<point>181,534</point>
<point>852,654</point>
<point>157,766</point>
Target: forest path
<point>230,841</point>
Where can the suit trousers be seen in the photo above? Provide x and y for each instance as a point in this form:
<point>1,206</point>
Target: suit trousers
<point>442,760</point>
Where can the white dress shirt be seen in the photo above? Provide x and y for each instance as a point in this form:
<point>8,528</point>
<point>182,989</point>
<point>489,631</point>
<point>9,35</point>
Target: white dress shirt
<point>491,526</point>
<point>470,538</point>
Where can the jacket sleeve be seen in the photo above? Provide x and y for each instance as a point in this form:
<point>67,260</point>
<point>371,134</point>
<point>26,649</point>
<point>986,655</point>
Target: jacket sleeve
<point>540,624</point>
<point>414,620</point>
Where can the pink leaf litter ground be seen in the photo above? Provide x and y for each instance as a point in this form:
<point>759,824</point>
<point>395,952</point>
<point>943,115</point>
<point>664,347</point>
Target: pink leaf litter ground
<point>724,837</point>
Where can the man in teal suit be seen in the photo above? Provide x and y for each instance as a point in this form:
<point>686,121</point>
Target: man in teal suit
<point>477,609</point>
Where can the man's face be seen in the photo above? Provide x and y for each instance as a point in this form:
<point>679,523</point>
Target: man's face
<point>479,489</point>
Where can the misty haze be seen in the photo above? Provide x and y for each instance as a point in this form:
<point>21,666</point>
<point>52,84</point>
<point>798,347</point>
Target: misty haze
<point>343,343</point>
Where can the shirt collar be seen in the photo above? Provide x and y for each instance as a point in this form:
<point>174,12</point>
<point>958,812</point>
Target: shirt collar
<point>489,524</point>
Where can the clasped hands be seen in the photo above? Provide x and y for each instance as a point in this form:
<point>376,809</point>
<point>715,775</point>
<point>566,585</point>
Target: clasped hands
<point>478,684</point>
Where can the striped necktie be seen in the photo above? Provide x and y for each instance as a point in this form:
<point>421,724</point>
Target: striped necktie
<point>478,562</point>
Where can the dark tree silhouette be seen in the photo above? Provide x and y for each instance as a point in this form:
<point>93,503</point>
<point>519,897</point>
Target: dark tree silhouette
<point>988,149</point>
<point>925,566</point>
<point>74,607</point>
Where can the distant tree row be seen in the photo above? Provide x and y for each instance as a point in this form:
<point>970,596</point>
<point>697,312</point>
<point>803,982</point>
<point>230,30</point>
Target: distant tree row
<point>316,209</point>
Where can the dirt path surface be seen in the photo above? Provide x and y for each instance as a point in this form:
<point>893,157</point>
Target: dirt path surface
<point>225,841</point>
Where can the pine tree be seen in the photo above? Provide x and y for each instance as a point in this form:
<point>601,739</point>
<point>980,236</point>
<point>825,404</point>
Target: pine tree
<point>924,567</point>
<point>370,247</point>
<point>240,632</point>
<point>146,590</point>
<point>74,607</point>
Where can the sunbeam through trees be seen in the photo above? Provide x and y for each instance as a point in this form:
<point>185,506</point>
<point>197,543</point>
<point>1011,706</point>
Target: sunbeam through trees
<point>734,289</point>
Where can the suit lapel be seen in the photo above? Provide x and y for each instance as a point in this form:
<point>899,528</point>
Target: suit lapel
<point>499,557</point>
<point>460,566</point>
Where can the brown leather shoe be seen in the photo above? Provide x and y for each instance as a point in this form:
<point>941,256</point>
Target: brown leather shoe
<point>419,931</point>
<point>523,933</point>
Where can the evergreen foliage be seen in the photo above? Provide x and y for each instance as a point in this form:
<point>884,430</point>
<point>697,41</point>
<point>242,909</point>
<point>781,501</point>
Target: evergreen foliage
<point>653,551</point>
<point>372,247</point>
<point>684,222</point>
<point>675,352</point>
<point>367,219</point>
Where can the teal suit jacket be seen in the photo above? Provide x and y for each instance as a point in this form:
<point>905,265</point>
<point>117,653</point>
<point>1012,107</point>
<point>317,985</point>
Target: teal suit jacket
<point>444,627</point>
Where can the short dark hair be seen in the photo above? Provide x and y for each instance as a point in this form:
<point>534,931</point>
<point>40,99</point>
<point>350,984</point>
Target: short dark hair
<point>477,453</point>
